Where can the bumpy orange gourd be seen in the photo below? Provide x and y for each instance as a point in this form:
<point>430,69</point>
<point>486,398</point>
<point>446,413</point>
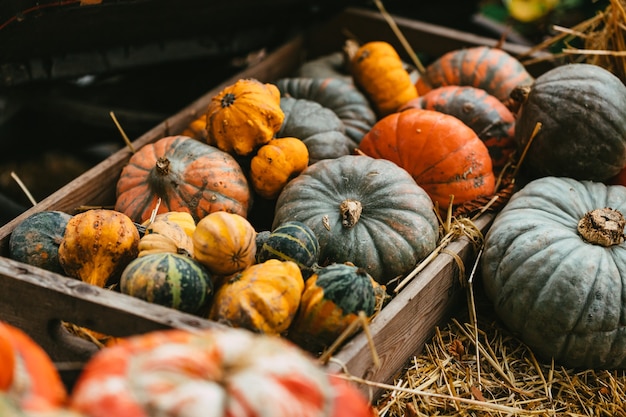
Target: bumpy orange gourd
<point>263,297</point>
<point>378,70</point>
<point>225,243</point>
<point>27,374</point>
<point>97,245</point>
<point>243,116</point>
<point>276,163</point>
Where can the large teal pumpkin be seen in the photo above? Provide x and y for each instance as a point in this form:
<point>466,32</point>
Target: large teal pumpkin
<point>363,210</point>
<point>168,279</point>
<point>555,269</point>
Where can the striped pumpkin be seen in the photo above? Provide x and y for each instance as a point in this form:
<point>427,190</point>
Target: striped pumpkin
<point>332,300</point>
<point>291,241</point>
<point>168,279</point>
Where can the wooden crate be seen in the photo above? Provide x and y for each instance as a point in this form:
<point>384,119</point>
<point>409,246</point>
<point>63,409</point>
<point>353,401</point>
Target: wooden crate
<point>37,301</point>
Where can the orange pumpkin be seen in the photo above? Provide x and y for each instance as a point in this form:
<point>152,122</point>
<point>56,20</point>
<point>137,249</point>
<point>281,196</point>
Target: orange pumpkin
<point>378,70</point>
<point>27,374</point>
<point>443,154</point>
<point>243,116</point>
<point>185,175</point>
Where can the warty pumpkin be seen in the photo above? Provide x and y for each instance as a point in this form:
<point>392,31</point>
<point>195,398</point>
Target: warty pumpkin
<point>332,299</point>
<point>491,69</point>
<point>275,164</point>
<point>363,210</point>
<point>243,116</point>
<point>225,243</point>
<point>554,267</point>
<point>35,241</point>
<point>487,116</point>
<point>263,298</point>
<point>321,130</point>
<point>97,245</point>
<point>211,372</point>
<point>379,72</point>
<point>342,97</point>
<point>444,156</point>
<point>181,174</point>
<point>581,109</point>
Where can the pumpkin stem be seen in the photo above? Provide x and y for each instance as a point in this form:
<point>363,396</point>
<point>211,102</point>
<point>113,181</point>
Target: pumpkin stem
<point>227,100</point>
<point>163,166</point>
<point>350,212</point>
<point>603,227</point>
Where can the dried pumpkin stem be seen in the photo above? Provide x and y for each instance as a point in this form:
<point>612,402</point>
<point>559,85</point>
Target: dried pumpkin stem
<point>163,166</point>
<point>604,227</point>
<point>350,212</point>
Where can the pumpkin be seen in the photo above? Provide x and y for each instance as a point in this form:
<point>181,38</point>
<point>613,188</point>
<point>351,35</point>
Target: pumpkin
<point>443,154</point>
<point>321,130</point>
<point>342,97</point>
<point>35,241</point>
<point>363,210</point>
<point>263,297</point>
<point>291,241</point>
<point>196,129</point>
<point>164,234</point>
<point>225,243</point>
<point>332,65</point>
<point>487,116</point>
<point>491,69</point>
<point>554,266</point>
<point>182,174</point>
<point>379,72</point>
<point>97,246</point>
<point>211,372</point>
<point>582,112</point>
<point>168,279</point>
<point>275,164</point>
<point>27,374</point>
<point>332,299</point>
<point>243,116</point>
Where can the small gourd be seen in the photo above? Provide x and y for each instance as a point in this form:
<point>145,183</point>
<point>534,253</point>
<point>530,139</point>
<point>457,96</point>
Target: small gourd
<point>244,116</point>
<point>35,241</point>
<point>225,243</point>
<point>276,163</point>
<point>168,279</point>
<point>333,298</point>
<point>263,297</point>
<point>97,246</point>
<point>164,234</point>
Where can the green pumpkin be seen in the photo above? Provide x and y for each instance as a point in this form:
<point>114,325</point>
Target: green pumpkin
<point>331,301</point>
<point>363,210</point>
<point>168,279</point>
<point>291,241</point>
<point>35,241</point>
<point>557,286</point>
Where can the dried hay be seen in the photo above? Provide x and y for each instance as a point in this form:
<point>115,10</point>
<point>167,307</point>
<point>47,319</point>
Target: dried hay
<point>603,37</point>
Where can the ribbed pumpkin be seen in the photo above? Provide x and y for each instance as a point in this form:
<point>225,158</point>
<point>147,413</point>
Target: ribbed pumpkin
<point>185,175</point>
<point>217,372</point>
<point>343,98</point>
<point>321,130</point>
<point>168,279</point>
<point>488,117</point>
<point>97,245</point>
<point>363,210</point>
<point>332,65</point>
<point>380,73</point>
<point>263,298</point>
<point>582,112</point>
<point>275,163</point>
<point>491,69</point>
<point>225,243</point>
<point>554,266</point>
<point>443,154</point>
<point>27,374</point>
<point>333,298</point>
<point>291,241</point>
<point>35,241</point>
<point>243,116</point>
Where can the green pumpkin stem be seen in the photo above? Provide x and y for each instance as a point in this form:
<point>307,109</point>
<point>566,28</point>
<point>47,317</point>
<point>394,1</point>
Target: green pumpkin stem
<point>350,212</point>
<point>603,227</point>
